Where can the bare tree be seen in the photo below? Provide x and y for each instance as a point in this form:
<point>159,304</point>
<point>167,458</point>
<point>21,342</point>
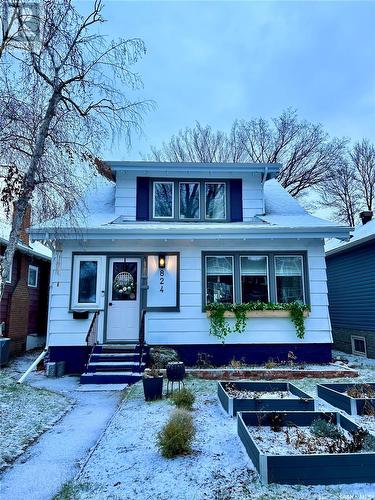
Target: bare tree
<point>363,158</point>
<point>61,98</point>
<point>304,149</point>
<point>341,193</point>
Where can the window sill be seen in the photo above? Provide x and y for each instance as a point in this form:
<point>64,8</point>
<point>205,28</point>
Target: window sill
<point>261,314</point>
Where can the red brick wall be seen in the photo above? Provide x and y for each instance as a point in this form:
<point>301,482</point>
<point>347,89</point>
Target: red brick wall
<point>18,318</point>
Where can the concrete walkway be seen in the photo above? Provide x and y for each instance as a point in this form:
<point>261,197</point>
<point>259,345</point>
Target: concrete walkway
<point>54,459</point>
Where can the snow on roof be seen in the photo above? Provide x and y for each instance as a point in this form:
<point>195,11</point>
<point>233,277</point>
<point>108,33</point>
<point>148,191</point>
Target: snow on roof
<point>361,234</point>
<point>35,248</point>
<point>284,210</point>
<point>97,212</point>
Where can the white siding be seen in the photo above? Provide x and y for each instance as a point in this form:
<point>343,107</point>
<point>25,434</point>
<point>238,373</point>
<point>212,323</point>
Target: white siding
<point>126,195</point>
<point>190,325</point>
<point>252,196</point>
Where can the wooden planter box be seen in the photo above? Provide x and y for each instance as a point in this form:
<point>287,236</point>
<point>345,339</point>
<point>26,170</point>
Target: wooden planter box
<point>262,314</point>
<point>333,394</point>
<point>335,468</point>
<point>233,405</point>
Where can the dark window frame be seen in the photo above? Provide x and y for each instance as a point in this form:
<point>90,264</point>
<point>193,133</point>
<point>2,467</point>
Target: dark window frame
<point>237,254</point>
<point>202,200</point>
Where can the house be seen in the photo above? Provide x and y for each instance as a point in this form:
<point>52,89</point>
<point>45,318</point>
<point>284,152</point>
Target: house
<point>351,289</point>
<point>161,241</point>
<point>24,306</point>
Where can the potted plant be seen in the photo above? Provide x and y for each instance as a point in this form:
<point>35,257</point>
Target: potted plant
<point>152,384</point>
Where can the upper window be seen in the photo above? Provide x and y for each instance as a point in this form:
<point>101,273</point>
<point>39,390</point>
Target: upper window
<point>189,200</point>
<point>215,200</point>
<point>254,278</point>
<point>289,278</point>
<point>163,200</point>
<point>219,279</point>
<point>32,279</point>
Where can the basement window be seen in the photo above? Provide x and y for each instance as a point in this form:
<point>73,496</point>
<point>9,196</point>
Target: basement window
<point>32,279</point>
<point>359,347</point>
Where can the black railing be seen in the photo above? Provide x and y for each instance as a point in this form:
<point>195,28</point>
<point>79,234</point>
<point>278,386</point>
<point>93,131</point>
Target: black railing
<point>141,335</point>
<point>92,335</point>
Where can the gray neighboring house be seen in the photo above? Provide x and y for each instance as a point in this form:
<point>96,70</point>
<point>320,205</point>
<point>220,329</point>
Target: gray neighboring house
<point>351,289</point>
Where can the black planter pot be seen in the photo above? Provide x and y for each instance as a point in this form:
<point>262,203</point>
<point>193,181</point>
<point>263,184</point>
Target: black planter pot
<point>153,388</point>
<point>175,372</point>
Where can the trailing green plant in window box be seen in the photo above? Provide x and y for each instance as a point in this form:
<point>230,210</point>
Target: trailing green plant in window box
<point>220,327</point>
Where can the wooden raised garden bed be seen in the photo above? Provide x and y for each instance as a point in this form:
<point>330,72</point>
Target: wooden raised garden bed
<point>252,396</point>
<point>336,395</point>
<point>312,468</point>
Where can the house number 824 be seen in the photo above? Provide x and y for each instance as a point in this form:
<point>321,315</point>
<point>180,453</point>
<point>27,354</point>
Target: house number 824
<point>161,281</point>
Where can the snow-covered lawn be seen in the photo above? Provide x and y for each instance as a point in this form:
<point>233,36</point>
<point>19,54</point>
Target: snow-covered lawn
<point>25,413</point>
<point>127,465</point>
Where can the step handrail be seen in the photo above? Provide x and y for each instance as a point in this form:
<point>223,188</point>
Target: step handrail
<point>92,337</point>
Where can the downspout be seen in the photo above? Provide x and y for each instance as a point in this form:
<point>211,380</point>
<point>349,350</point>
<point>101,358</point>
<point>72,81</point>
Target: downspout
<point>263,181</point>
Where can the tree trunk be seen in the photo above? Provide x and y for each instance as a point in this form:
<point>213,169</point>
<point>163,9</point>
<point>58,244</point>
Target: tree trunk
<point>20,205</point>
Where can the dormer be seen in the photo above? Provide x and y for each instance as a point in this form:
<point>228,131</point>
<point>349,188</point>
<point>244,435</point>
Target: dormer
<point>190,192</point>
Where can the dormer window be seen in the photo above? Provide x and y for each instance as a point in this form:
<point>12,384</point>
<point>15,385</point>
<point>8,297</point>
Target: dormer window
<point>163,200</point>
<point>215,200</point>
<point>190,200</point>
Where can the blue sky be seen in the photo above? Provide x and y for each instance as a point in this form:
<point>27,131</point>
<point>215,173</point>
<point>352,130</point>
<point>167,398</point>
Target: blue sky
<point>217,61</point>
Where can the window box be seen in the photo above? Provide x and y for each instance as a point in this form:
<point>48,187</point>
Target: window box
<point>262,314</point>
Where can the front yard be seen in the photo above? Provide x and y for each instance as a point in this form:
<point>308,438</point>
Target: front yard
<point>127,464</point>
<point>25,413</point>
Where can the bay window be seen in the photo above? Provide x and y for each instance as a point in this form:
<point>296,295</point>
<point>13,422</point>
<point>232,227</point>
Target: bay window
<point>254,278</point>
<point>289,278</point>
<point>237,277</point>
<point>219,279</point>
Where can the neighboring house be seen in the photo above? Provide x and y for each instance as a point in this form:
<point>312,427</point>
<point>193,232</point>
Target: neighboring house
<point>351,289</point>
<point>167,238</point>
<point>24,306</point>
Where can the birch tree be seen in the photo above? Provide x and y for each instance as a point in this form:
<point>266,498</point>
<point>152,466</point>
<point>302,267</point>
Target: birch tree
<point>62,97</point>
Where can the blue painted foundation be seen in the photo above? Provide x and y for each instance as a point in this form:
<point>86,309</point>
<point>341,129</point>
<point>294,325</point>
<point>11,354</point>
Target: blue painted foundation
<point>254,353</point>
<point>75,357</point>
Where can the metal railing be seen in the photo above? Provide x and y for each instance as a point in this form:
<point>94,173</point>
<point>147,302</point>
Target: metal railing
<point>92,336</point>
<point>141,335</point>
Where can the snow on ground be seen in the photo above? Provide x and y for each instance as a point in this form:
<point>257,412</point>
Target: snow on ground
<point>127,465</point>
<point>54,459</point>
<point>25,412</point>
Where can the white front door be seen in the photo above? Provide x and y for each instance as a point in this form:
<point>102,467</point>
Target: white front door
<point>123,299</point>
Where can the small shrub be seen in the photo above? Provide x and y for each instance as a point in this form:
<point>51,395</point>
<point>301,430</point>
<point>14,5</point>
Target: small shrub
<point>184,398</point>
<point>161,356</point>
<point>237,363</point>
<point>276,421</point>
<point>204,360</point>
<point>322,428</point>
<point>369,443</point>
<point>270,364</point>
<point>176,436</point>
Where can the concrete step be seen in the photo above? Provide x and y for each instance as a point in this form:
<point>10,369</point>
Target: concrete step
<point>116,366</point>
<point>114,356</point>
<point>110,378</point>
<point>114,348</point>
